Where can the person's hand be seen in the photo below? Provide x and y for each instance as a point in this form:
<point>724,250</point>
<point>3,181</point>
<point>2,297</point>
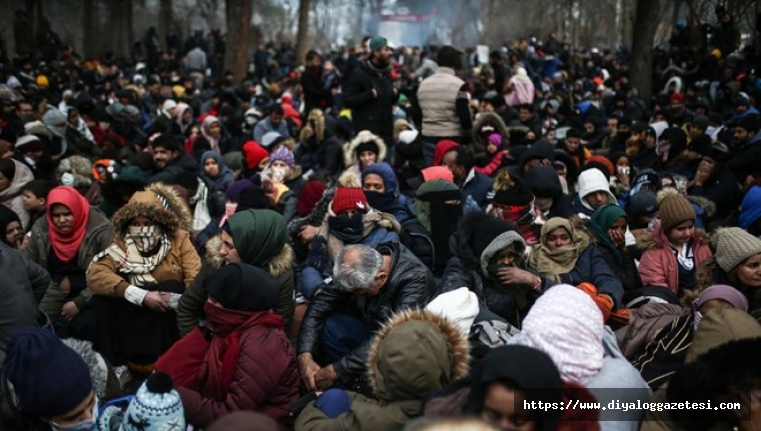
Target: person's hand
<point>704,172</point>
<point>308,131</point>
<point>513,275</point>
<point>65,286</point>
<point>617,236</point>
<point>69,311</point>
<point>155,301</point>
<point>308,368</point>
<point>325,377</point>
<point>308,232</point>
<point>375,93</point>
<point>623,179</point>
<point>22,242</point>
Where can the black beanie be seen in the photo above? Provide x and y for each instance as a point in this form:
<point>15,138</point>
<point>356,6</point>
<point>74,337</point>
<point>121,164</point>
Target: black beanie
<point>366,146</point>
<point>243,287</point>
<point>488,229</point>
<point>252,198</point>
<point>49,378</point>
<point>511,191</point>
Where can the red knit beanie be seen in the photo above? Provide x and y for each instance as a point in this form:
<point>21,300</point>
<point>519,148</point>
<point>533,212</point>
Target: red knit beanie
<point>254,154</point>
<point>349,198</point>
<point>443,147</point>
<point>310,195</point>
<point>676,96</point>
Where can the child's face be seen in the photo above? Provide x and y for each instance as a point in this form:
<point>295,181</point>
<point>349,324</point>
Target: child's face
<point>32,202</point>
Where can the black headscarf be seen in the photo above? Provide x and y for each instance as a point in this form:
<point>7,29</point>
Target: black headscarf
<point>7,216</point>
<point>520,367</point>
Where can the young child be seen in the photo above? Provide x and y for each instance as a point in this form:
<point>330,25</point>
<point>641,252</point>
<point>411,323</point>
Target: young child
<point>674,250</point>
<point>34,196</point>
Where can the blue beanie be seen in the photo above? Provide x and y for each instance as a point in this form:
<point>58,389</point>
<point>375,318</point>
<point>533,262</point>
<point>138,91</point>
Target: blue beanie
<point>385,171</point>
<point>48,377</point>
<point>750,208</point>
<point>333,403</point>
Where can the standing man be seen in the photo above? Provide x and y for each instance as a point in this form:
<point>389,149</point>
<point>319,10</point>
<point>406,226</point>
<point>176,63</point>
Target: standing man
<point>443,100</point>
<point>370,92</point>
<point>315,93</point>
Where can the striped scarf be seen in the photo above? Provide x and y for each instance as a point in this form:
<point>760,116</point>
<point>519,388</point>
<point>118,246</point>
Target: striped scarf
<point>132,263</point>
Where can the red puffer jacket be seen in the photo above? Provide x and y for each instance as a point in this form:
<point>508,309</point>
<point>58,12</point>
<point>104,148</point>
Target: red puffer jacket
<point>264,378</point>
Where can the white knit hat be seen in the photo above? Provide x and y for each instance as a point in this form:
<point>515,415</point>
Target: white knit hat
<point>733,246</point>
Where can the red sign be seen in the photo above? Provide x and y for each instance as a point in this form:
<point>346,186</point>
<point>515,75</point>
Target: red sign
<point>404,18</point>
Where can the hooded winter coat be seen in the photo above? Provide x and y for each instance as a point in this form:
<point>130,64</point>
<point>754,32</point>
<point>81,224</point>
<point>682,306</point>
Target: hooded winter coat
<point>181,263</point>
<point>11,197</point>
<point>351,158</point>
<point>410,285</point>
<point>414,354</point>
<point>728,340</point>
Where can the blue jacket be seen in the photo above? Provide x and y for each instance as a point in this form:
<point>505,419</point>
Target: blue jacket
<point>478,187</point>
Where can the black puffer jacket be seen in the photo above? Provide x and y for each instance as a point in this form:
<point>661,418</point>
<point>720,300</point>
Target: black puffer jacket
<point>369,112</point>
<point>410,285</point>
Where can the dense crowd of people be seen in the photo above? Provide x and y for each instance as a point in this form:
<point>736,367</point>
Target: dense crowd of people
<point>382,238</point>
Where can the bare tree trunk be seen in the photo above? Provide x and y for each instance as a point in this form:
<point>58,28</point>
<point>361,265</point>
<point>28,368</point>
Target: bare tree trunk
<point>645,23</point>
<point>8,36</point>
<point>302,37</point>
<point>89,28</point>
<point>238,16</point>
<point>34,11</point>
<point>120,21</point>
<point>166,18</point>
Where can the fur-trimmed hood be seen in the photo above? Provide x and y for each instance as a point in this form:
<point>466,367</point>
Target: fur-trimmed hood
<point>159,203</point>
<point>489,119</point>
<point>416,353</point>
<point>350,158</point>
<point>276,267</point>
<point>724,354</point>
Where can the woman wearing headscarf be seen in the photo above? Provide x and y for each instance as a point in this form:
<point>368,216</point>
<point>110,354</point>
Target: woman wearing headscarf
<point>71,141</point>
<point>240,359</point>
<point>214,172</point>
<point>737,262</point>
<point>564,255</point>
<point>211,129</point>
<point>184,120</point>
<point>382,193</point>
<point>566,324</point>
<point>608,227</point>
<point>11,232</point>
<point>64,243</point>
<point>666,351</point>
<point>252,237</point>
<point>14,176</point>
<point>138,279</point>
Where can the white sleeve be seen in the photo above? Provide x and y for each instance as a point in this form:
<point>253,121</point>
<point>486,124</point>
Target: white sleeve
<point>135,295</point>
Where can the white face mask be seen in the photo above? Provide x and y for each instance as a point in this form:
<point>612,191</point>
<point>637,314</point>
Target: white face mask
<point>278,174</point>
<point>67,179</point>
<point>85,425</point>
<point>623,170</point>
